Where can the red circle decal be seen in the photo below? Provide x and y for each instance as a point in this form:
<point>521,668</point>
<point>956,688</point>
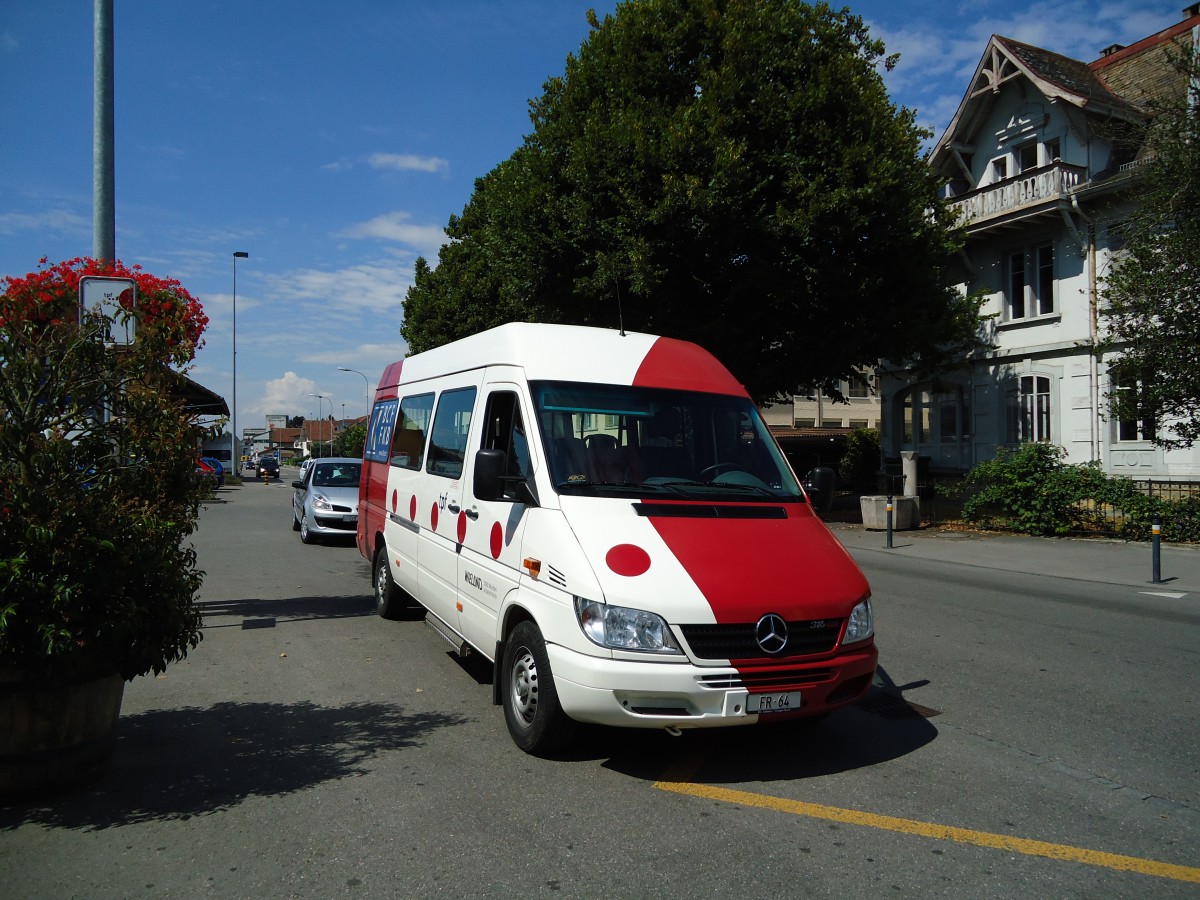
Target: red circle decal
<point>395,500</point>
<point>628,560</point>
<point>433,514</point>
<point>497,540</point>
<point>462,526</point>
<point>412,508</point>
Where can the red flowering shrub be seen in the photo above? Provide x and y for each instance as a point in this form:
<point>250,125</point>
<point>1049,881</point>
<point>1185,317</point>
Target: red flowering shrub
<point>51,295</point>
<point>98,491</point>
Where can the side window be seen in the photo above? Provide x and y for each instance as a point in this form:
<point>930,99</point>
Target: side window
<point>408,439</point>
<point>379,435</point>
<point>504,429</point>
<point>448,445</point>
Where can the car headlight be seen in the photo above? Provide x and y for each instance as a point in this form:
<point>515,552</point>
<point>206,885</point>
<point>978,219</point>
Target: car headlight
<point>861,625</point>
<point>321,502</point>
<point>621,628</point>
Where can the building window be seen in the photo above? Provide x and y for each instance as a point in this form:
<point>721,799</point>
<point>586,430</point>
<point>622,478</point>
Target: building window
<point>1053,151</point>
<point>1016,285</point>
<point>1027,410</point>
<point>1135,421</point>
<point>1029,282</point>
<point>1000,168</point>
<point>857,386</point>
<point>1027,157</point>
<point>859,423</point>
<point>1045,279</point>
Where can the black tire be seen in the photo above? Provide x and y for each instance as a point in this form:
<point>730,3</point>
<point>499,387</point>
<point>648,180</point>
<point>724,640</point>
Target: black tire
<point>534,716</point>
<point>305,535</point>
<point>295,522</point>
<point>390,601</point>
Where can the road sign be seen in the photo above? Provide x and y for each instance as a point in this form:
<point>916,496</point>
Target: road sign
<point>115,298</point>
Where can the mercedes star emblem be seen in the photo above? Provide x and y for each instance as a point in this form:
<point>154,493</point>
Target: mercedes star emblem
<point>771,632</point>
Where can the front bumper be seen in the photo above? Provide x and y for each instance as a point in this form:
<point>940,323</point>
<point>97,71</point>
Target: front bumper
<point>680,695</point>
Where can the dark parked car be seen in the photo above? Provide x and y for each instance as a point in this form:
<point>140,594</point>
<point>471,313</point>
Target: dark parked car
<point>268,467</point>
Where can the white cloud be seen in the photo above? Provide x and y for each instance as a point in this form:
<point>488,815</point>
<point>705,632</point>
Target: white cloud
<point>407,162</point>
<point>377,286</point>
<point>59,220</point>
<point>284,395</point>
<point>396,226</point>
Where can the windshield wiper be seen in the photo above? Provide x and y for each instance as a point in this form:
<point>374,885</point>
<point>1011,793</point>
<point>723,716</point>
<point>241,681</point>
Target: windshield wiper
<point>721,486</point>
<point>622,485</point>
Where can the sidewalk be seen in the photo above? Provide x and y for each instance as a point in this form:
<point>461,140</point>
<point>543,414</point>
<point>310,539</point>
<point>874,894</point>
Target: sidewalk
<point>1098,560</point>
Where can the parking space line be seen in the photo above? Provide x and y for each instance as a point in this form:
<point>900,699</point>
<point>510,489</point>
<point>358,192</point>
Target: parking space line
<point>1025,846</point>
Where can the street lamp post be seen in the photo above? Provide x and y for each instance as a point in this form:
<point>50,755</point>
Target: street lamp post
<point>366,385</point>
<point>321,397</point>
<point>235,460</point>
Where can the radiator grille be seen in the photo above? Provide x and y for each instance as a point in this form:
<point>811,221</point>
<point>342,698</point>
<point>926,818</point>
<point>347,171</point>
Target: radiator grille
<point>738,641</point>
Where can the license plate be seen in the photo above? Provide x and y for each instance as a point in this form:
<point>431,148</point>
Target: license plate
<point>762,704</point>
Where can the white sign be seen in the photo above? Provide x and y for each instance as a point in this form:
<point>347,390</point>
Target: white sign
<point>105,296</point>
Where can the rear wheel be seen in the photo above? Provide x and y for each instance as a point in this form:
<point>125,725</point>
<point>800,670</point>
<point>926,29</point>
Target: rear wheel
<point>535,718</point>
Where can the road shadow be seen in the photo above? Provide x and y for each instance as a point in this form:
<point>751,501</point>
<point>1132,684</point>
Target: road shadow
<point>243,613</point>
<point>881,726</point>
<point>176,764</point>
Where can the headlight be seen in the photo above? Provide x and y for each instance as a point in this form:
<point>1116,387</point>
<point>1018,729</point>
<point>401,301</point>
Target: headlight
<point>861,625</point>
<point>621,628</point>
<point>321,502</point>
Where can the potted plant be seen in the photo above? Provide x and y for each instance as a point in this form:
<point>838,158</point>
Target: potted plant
<point>97,495</point>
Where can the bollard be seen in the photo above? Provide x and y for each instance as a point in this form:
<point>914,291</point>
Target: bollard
<point>889,522</point>
<point>1155,549</point>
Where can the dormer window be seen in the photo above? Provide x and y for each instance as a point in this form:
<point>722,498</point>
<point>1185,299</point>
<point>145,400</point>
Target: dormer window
<point>1000,168</point>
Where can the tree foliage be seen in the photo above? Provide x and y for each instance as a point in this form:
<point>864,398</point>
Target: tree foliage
<point>350,441</point>
<point>730,172</point>
<point>1152,309</point>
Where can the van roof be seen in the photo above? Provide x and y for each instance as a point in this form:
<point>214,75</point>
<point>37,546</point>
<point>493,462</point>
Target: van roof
<point>574,353</point>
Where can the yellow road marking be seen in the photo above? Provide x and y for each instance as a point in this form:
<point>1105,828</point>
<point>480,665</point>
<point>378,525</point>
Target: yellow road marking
<point>932,830</point>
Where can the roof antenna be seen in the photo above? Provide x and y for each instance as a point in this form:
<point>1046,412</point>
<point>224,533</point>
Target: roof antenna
<point>620,310</point>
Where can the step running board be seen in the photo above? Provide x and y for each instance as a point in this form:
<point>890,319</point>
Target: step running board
<point>453,638</point>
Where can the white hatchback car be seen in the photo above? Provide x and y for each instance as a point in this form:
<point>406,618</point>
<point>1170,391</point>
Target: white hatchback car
<point>325,502</point>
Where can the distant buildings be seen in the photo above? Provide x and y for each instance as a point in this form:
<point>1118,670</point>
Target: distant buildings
<point>1043,172</point>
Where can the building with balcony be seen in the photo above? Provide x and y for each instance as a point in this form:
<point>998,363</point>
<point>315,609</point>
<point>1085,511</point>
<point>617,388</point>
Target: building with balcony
<point>1041,161</point>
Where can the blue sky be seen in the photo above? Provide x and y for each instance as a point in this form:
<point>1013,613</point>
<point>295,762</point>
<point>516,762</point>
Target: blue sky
<point>332,142</point>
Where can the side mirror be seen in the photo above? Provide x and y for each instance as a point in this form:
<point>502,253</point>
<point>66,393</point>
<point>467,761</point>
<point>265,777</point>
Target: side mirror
<point>488,483</point>
<point>298,485</point>
<point>490,480</point>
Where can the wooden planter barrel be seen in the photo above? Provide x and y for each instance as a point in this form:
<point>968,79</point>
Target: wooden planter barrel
<point>56,735</point>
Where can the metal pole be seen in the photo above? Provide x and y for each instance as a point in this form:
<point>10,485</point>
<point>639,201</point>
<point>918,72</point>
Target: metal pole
<point>889,522</point>
<point>1155,549</point>
<point>234,456</point>
<point>366,385</point>
<point>104,215</point>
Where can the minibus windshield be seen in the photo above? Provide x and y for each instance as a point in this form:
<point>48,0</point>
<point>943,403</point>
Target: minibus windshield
<point>612,440</point>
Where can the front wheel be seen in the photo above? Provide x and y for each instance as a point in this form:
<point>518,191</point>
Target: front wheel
<point>389,600</point>
<point>535,719</point>
<point>305,535</point>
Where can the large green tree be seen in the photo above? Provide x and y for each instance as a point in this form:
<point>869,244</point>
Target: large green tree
<point>1152,309</point>
<point>730,172</point>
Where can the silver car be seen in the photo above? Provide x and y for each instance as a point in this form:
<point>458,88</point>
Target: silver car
<point>325,501</point>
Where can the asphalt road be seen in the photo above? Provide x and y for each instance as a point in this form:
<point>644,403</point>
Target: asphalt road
<point>1029,737</point>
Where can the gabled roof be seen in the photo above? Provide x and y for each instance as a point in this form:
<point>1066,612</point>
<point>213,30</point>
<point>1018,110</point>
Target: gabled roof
<point>1058,78</point>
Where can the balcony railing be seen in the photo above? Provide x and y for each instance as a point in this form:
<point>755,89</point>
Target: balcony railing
<point>1023,192</point>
